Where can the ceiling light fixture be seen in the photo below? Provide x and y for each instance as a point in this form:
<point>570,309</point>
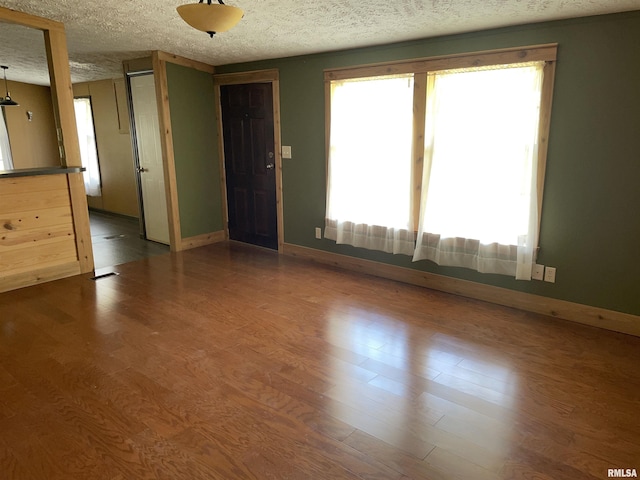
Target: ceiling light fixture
<point>210,18</point>
<point>6,101</point>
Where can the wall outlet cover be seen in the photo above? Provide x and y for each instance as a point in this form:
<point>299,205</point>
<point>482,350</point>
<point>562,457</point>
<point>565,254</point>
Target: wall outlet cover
<point>550,274</point>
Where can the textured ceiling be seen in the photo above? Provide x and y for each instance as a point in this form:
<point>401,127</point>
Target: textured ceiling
<point>101,34</point>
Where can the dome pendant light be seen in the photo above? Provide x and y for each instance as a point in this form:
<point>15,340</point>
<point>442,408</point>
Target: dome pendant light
<point>6,101</point>
<point>210,18</point>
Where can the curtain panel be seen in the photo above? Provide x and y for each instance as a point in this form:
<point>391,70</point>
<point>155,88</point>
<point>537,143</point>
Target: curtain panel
<point>479,207</point>
<point>6,159</point>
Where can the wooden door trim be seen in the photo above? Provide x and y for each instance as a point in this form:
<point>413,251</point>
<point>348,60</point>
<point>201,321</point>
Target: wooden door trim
<point>159,61</point>
<point>185,62</point>
<point>168,158</point>
<point>271,76</point>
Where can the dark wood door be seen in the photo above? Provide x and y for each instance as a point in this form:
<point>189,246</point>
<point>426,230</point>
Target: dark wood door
<point>247,121</point>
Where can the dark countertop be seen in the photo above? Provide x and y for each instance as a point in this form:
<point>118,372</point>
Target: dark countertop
<point>30,172</point>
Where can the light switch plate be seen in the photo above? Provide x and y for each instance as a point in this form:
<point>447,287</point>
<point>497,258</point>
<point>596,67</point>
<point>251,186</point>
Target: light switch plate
<point>538,272</point>
<point>286,152</point>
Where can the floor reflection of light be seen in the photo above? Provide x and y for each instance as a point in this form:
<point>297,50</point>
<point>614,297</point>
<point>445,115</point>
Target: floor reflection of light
<point>8,329</point>
<point>476,394</point>
<point>379,405</point>
<point>422,390</point>
<point>473,365</point>
<point>366,333</point>
<point>106,301</point>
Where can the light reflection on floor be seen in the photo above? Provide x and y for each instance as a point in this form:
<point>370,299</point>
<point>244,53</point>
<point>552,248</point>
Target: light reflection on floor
<point>419,391</point>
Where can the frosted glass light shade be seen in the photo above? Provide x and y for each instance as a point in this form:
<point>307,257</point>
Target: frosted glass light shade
<point>211,18</point>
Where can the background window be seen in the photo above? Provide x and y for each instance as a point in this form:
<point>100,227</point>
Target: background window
<point>88,148</point>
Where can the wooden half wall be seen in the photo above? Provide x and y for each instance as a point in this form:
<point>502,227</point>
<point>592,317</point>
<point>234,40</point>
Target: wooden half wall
<point>39,240</point>
<point>44,217</point>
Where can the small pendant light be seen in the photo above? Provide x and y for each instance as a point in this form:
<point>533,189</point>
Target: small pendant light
<point>6,101</point>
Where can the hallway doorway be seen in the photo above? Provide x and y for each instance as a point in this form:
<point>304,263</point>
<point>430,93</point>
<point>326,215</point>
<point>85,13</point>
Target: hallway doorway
<point>116,240</point>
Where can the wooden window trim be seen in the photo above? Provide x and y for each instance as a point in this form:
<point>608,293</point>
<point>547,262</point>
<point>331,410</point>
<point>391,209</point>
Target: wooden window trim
<point>421,67</point>
<point>537,53</point>
<point>417,161</point>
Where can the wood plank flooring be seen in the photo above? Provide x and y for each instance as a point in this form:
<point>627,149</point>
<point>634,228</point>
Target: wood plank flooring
<point>116,240</point>
<point>230,362</point>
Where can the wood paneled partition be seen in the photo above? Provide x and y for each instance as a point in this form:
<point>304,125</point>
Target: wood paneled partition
<point>38,240</point>
<point>39,211</point>
<point>44,218</point>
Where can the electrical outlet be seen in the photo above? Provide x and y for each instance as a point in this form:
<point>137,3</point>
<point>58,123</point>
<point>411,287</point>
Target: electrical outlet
<point>318,233</point>
<point>550,274</point>
<point>286,151</point>
<point>538,272</point>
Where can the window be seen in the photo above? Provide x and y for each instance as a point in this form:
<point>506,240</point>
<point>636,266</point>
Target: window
<point>457,146</point>
<point>88,148</point>
<point>369,194</point>
<point>6,161</point>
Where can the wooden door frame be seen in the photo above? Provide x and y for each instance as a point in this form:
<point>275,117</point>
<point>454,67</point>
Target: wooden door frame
<point>135,143</point>
<point>157,64</point>
<point>133,134</point>
<point>159,60</point>
<point>271,76</point>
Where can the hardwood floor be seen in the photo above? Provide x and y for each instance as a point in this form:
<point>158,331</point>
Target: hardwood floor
<point>116,240</point>
<point>231,362</point>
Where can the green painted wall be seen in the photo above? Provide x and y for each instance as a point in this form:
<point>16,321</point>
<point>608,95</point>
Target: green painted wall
<point>590,227</point>
<point>195,146</point>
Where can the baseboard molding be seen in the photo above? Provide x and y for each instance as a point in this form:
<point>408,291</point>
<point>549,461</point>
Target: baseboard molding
<point>202,240</point>
<point>575,312</point>
<point>47,274</point>
<point>112,214</point>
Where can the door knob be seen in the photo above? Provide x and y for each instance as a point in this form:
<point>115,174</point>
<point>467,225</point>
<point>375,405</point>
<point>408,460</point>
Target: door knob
<point>142,169</point>
<point>270,166</point>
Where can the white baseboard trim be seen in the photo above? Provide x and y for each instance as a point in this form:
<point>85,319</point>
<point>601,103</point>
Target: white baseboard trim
<point>575,312</point>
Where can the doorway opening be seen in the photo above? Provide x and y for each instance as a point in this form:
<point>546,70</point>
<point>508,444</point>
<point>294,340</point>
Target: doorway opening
<point>116,240</point>
<point>116,233</point>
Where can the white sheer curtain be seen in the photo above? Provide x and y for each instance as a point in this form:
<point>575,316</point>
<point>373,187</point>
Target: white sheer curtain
<point>479,201</point>
<point>369,177</point>
<point>6,160</point>
<point>88,149</point>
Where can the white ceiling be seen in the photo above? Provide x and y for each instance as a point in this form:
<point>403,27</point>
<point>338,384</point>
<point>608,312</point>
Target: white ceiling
<point>101,34</point>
